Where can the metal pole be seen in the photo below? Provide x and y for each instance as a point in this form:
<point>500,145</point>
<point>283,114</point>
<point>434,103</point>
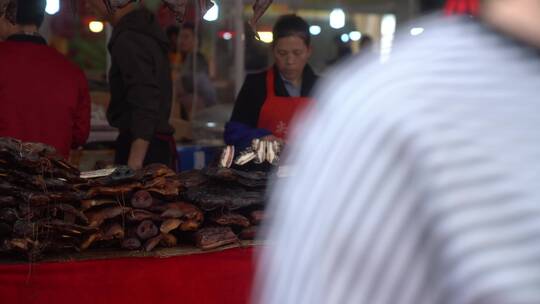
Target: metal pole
<point>194,75</point>
<point>239,45</point>
<point>108,35</point>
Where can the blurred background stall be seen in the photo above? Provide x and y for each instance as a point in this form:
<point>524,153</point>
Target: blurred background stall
<point>229,50</point>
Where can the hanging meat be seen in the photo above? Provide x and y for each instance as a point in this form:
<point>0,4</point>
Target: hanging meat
<point>259,8</point>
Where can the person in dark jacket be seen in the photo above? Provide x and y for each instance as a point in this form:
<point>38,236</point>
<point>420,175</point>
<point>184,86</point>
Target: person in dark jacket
<point>268,101</point>
<point>191,78</point>
<point>140,83</point>
<point>43,96</point>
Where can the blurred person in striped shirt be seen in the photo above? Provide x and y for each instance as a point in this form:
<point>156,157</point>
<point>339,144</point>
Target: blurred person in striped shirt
<point>423,185</point>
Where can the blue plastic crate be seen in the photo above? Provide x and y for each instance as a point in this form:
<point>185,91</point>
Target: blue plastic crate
<point>196,157</point>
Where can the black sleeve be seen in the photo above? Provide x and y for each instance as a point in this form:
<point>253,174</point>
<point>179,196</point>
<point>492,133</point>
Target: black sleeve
<point>250,100</point>
<point>133,53</point>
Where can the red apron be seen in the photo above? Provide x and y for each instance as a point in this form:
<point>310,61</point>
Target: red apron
<point>278,112</point>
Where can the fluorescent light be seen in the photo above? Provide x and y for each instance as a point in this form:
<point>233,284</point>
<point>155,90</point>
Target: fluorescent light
<point>213,13</point>
<point>388,29</point>
<point>96,26</point>
<point>345,38</point>
<point>415,31</point>
<point>315,30</point>
<point>266,37</point>
<point>355,35</point>
<point>53,7</point>
<point>227,35</point>
<point>337,18</point>
<point>388,25</point>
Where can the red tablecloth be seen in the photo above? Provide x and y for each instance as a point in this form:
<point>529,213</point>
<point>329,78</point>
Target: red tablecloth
<point>219,277</point>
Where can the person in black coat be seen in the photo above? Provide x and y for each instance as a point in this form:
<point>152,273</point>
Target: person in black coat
<point>268,101</point>
<point>140,83</point>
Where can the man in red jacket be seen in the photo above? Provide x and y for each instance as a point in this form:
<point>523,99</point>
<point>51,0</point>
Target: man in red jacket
<point>43,97</point>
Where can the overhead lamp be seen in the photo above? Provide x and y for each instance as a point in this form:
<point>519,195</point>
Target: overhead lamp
<point>52,7</point>
<point>355,35</point>
<point>415,31</point>
<point>388,25</point>
<point>337,18</point>
<point>315,30</point>
<point>213,13</point>
<point>266,37</point>
<point>96,26</point>
<point>345,38</point>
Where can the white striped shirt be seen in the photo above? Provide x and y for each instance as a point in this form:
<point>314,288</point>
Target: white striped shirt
<point>417,180</point>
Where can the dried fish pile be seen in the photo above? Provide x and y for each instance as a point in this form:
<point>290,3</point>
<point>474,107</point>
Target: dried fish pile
<point>39,200</point>
<point>138,210</point>
<point>45,206</point>
<point>157,208</point>
<point>232,200</point>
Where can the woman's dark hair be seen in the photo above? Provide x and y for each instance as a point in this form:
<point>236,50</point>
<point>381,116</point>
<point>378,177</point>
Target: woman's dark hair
<point>292,25</point>
<point>30,12</point>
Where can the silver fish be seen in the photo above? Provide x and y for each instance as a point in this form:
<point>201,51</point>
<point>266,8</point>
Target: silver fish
<point>270,153</point>
<point>277,146</point>
<point>261,152</point>
<point>227,157</point>
<point>245,157</point>
<point>255,144</point>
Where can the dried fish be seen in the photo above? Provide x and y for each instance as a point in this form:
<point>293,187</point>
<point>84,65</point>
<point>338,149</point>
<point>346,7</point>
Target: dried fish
<point>139,215</point>
<point>213,237</point>
<point>227,157</point>
<point>230,219</point>
<point>131,243</point>
<point>249,233</point>
<point>147,229</point>
<point>270,153</point>
<point>152,243</point>
<point>261,153</point>
<point>87,204</point>
<point>245,157</point>
<point>169,225</point>
<point>113,231</point>
<point>168,240</point>
<point>96,218</point>
<point>141,199</point>
<point>255,144</point>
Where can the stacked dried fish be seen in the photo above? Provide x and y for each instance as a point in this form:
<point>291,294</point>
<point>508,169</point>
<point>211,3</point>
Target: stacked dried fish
<point>233,202</point>
<point>138,210</point>
<point>39,200</point>
<point>46,206</point>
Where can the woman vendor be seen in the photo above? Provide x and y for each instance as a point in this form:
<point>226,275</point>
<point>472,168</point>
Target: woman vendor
<point>269,100</point>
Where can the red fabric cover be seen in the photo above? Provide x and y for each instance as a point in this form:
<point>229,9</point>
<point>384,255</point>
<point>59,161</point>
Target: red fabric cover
<point>278,112</point>
<point>43,97</point>
<point>462,7</point>
<point>221,277</point>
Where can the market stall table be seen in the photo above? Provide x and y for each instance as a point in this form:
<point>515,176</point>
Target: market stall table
<point>166,276</point>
